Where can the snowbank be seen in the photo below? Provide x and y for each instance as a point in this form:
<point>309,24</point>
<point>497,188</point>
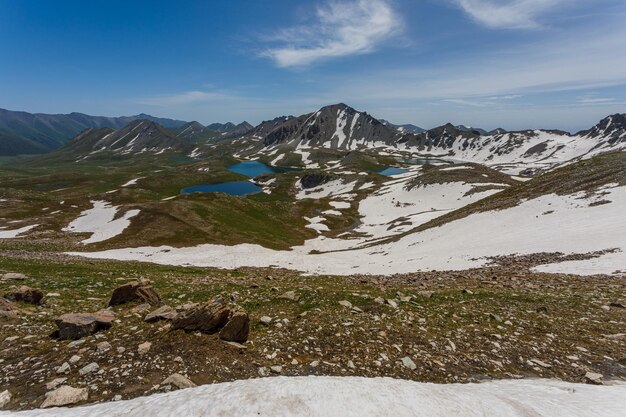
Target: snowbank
<point>361,397</point>
<point>10,234</point>
<point>101,222</point>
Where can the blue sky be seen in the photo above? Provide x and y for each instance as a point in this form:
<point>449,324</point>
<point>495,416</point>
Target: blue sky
<point>489,63</point>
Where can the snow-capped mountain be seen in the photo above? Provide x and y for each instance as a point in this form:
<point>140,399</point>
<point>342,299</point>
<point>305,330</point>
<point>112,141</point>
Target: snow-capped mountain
<point>137,136</point>
<point>337,126</point>
<point>405,128</point>
<point>344,128</point>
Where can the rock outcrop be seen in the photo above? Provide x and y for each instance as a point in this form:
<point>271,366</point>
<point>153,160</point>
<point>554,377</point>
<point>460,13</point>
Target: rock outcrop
<point>135,291</point>
<point>74,326</point>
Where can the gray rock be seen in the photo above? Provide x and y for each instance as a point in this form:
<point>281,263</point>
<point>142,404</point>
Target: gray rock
<point>5,398</point>
<point>289,295</point>
<point>162,313</point>
<point>277,369</point>
<point>178,381</point>
<point>55,383</point>
<point>144,348</point>
<point>408,362</point>
<point>426,294</point>
<point>65,395</point>
<point>64,369</point>
<point>345,303</point>
<point>103,347</point>
<point>13,276</point>
<point>594,377</point>
<point>77,325</point>
<point>88,369</point>
<point>266,320</point>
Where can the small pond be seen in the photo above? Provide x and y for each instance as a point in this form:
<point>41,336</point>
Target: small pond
<point>240,188</point>
<point>389,171</point>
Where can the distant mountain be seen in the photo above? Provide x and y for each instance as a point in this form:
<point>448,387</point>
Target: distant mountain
<point>28,133</point>
<point>337,126</point>
<point>406,128</point>
<point>195,132</point>
<point>475,130</point>
<point>136,137</point>
<point>231,129</point>
<point>342,127</point>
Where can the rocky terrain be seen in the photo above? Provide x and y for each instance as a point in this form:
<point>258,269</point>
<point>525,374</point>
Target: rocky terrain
<point>502,321</point>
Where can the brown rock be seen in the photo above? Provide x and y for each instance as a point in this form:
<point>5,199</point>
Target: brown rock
<point>209,317</point>
<point>135,291</point>
<point>77,325</point>
<point>7,305</point>
<point>237,329</point>
<point>25,294</point>
<point>161,313</point>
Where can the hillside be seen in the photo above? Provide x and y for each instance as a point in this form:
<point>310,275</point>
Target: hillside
<point>27,133</point>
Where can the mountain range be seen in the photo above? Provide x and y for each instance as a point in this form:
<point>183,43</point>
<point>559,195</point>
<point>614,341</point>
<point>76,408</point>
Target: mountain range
<point>34,133</point>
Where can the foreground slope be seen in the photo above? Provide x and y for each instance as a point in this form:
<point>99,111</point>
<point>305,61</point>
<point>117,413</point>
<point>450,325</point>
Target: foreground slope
<point>336,396</point>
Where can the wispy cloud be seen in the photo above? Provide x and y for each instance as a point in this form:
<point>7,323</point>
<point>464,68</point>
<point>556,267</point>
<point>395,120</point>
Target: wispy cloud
<point>595,100</point>
<point>512,14</point>
<point>186,97</point>
<point>341,28</point>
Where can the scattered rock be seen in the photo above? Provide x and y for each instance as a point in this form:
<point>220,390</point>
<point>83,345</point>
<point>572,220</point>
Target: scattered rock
<point>76,325</point>
<point>88,369</point>
<point>74,359</point>
<point>55,383</point>
<point>7,305</point>
<point>594,378</point>
<point>345,303</point>
<point>392,303</point>
<point>617,305</point>
<point>5,398</point>
<point>65,395</point>
<point>266,320</point>
<point>64,369</point>
<point>135,291</point>
<point>495,317</point>
<point>289,295</point>
<point>426,294</point>
<point>542,309</point>
<point>13,276</point>
<point>209,317</point>
<point>408,362</point>
<point>162,313</point>
<point>468,292</point>
<point>103,347</point>
<point>237,328</point>
<point>178,381</point>
<point>144,348</point>
<point>277,369</point>
<point>141,308</point>
<point>25,294</point>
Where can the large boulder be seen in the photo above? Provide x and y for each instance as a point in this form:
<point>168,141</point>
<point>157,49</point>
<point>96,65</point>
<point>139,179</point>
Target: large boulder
<point>65,395</point>
<point>135,291</point>
<point>25,294</point>
<point>162,313</point>
<point>237,329</point>
<point>74,326</point>
<point>209,317</point>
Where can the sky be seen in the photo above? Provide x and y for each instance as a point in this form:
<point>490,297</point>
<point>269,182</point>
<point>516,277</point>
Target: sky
<point>516,64</point>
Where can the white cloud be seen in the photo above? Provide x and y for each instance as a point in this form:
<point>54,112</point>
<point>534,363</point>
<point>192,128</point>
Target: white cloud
<point>341,28</point>
<point>512,14</point>
<point>187,97</point>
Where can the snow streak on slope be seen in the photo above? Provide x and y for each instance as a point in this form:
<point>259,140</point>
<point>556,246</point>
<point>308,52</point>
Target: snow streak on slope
<point>550,223</point>
<point>364,397</point>
<point>101,222</point>
<point>10,234</point>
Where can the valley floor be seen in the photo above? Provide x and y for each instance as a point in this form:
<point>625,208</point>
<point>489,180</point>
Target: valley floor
<point>498,322</point>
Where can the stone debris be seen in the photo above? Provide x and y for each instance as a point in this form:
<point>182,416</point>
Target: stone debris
<point>77,325</point>
<point>65,395</point>
<point>144,348</point>
<point>289,295</point>
<point>164,312</point>
<point>13,276</point>
<point>5,398</point>
<point>141,290</point>
<point>408,362</point>
<point>237,328</point>
<point>25,294</point>
<point>178,381</point>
